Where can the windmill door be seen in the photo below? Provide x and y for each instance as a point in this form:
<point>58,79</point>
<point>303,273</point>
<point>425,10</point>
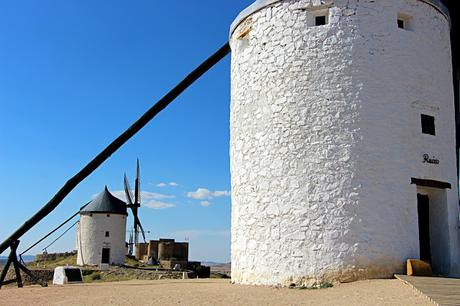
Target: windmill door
<point>423,208</point>
<point>105,256</point>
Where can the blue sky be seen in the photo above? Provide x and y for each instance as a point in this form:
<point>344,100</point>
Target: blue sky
<point>75,74</point>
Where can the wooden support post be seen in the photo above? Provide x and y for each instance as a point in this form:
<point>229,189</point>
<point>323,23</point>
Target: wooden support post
<point>13,259</point>
<point>16,264</point>
<point>4,272</point>
<point>33,278</point>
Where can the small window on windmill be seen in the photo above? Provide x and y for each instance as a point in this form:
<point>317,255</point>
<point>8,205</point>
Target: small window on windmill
<point>428,126</point>
<point>107,234</point>
<point>404,22</point>
<point>108,215</point>
<point>317,17</point>
<point>320,20</point>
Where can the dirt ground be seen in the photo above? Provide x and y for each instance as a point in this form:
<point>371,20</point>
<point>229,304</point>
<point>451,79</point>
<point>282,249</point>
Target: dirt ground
<point>212,292</point>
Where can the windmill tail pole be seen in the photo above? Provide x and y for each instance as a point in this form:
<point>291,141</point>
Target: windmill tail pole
<point>115,145</point>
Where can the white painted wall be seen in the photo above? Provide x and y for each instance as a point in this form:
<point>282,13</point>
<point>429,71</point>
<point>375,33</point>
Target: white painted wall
<point>326,135</point>
<point>91,238</point>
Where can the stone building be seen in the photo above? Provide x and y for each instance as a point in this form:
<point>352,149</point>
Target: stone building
<point>101,231</point>
<point>166,252</point>
<point>343,155</point>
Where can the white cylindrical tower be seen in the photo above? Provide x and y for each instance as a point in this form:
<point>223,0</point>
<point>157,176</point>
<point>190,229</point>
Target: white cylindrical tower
<point>343,159</point>
<point>102,231</point>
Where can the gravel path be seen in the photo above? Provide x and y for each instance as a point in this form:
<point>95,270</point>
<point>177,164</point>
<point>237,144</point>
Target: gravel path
<point>212,292</point>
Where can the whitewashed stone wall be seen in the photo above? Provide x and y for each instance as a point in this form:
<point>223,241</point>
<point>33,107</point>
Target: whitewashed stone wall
<point>91,238</point>
<point>326,136</point>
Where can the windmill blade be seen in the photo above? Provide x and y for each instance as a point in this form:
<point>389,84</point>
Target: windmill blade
<point>128,192</point>
<point>138,222</point>
<point>137,187</point>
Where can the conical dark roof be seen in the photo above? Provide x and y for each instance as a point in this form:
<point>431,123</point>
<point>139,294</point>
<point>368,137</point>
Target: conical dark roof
<point>105,203</point>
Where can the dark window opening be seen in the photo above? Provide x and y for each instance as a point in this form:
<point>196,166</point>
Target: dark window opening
<point>401,24</point>
<point>320,20</point>
<point>428,125</point>
<point>107,234</point>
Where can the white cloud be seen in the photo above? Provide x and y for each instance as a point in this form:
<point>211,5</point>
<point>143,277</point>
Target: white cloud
<point>223,193</point>
<point>203,193</point>
<point>205,203</point>
<point>158,205</point>
<point>157,196</point>
<point>172,184</point>
<point>145,195</point>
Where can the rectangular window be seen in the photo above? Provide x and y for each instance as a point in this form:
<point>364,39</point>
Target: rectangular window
<point>320,20</point>
<point>317,17</point>
<point>404,21</point>
<point>428,126</point>
<point>107,234</point>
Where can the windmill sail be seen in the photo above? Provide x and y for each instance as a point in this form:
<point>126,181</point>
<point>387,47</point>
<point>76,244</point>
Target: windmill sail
<point>128,191</point>
<point>134,202</point>
<point>140,227</point>
<point>137,187</point>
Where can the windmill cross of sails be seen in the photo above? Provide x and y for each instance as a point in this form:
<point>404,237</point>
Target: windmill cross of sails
<point>134,202</point>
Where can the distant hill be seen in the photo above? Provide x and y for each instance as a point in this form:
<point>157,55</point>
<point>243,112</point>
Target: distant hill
<point>212,263</point>
<point>224,268</point>
<point>26,258</point>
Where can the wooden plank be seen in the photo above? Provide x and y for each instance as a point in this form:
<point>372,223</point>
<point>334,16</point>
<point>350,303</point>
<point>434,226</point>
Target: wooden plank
<point>431,183</point>
<point>441,291</point>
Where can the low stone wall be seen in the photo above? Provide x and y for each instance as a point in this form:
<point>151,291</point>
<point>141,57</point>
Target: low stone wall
<point>170,264</point>
<point>53,256</point>
<point>44,275</point>
<point>141,274</point>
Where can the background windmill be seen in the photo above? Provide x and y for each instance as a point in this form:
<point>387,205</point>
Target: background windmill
<point>134,202</point>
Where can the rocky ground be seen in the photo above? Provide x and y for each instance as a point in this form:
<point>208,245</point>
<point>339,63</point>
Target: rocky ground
<point>212,292</point>
<point>44,269</point>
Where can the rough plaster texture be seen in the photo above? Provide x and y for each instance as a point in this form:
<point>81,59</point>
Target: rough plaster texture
<point>326,136</point>
<point>91,238</point>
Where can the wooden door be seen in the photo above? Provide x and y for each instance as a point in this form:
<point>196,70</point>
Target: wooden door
<point>105,256</point>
